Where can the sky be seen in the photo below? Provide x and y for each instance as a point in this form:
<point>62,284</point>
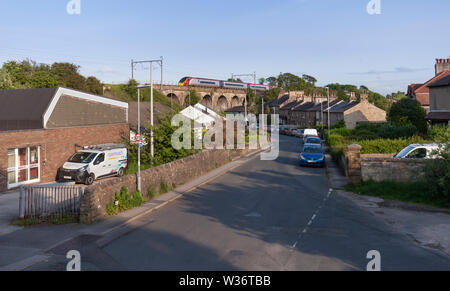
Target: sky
<point>332,40</point>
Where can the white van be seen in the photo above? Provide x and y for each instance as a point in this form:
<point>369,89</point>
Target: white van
<point>310,132</point>
<point>418,151</point>
<point>95,162</point>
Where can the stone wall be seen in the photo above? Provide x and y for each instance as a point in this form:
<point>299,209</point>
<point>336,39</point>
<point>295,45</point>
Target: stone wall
<point>382,169</point>
<point>99,195</point>
<point>379,167</point>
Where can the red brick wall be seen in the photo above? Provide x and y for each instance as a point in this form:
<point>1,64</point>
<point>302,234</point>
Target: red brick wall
<point>57,145</point>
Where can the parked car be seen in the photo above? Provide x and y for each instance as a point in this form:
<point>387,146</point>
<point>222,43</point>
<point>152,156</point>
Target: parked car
<point>418,151</point>
<point>302,133</point>
<point>297,133</point>
<point>313,140</point>
<point>95,162</point>
<point>312,155</point>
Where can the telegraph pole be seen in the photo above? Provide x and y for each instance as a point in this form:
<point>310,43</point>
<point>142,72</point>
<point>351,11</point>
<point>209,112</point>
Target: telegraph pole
<point>139,146</point>
<point>152,123</point>
<point>160,61</point>
<point>132,69</point>
<point>329,121</point>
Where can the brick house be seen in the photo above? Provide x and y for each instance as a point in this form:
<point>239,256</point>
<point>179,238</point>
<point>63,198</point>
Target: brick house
<point>440,102</point>
<point>421,92</point>
<point>41,128</point>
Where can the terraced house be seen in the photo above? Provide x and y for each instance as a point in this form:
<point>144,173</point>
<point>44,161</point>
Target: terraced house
<point>41,128</point>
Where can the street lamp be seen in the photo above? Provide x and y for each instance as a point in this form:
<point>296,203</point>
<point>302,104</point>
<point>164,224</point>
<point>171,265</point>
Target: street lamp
<point>329,121</point>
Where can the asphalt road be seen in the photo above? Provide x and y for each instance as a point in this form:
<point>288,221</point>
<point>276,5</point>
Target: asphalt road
<point>264,215</point>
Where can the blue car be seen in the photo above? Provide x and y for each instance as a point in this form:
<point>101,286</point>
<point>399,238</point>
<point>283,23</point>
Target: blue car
<point>312,156</point>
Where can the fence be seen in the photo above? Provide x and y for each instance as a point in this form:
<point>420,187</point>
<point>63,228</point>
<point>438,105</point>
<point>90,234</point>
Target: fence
<point>49,201</point>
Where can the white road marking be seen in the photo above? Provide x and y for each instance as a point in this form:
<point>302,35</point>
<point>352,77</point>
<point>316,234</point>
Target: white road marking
<point>312,219</point>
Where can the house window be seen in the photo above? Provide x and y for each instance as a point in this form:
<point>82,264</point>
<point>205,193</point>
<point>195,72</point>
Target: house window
<point>23,166</point>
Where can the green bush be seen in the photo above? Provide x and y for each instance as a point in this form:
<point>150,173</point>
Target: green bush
<point>124,201</point>
<point>340,124</point>
<point>391,131</point>
<point>164,187</point>
<point>152,193</point>
<point>388,146</point>
<point>437,175</point>
<point>342,131</point>
<point>364,135</point>
<point>440,133</point>
<point>335,139</point>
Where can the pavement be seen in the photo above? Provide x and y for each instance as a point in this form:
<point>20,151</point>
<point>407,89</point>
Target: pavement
<point>9,211</point>
<point>249,215</point>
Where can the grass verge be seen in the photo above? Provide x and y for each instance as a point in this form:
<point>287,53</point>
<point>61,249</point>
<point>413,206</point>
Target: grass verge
<point>416,193</point>
<point>66,219</point>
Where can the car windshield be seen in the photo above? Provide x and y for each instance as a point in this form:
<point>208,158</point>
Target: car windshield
<point>82,158</point>
<point>404,152</point>
<point>313,141</point>
<point>312,150</point>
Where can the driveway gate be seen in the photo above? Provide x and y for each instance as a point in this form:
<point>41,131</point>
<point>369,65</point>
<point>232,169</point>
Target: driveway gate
<point>50,201</point>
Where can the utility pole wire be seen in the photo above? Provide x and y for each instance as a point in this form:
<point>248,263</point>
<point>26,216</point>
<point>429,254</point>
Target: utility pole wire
<point>160,61</point>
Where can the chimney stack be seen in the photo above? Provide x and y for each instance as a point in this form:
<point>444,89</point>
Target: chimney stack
<point>442,65</point>
<point>364,97</point>
<point>352,96</point>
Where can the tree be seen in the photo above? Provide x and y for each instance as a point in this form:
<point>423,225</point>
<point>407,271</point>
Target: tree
<point>408,111</point>
<point>193,99</point>
<point>44,79</point>
<point>5,80</point>
<point>291,82</point>
<point>261,81</point>
<point>20,73</point>
<point>309,79</point>
<point>68,76</point>
<point>272,81</point>
<point>94,85</point>
<point>131,88</point>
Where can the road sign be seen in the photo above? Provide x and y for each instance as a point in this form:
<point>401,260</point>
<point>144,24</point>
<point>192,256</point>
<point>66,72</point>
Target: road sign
<point>138,137</point>
<point>141,144</point>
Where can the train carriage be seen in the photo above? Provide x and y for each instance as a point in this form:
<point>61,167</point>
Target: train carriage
<point>203,82</point>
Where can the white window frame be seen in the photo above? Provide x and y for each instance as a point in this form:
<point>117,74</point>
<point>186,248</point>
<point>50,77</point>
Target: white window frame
<point>17,168</point>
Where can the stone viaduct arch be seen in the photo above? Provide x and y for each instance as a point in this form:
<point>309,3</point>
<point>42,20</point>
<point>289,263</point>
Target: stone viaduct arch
<point>218,99</point>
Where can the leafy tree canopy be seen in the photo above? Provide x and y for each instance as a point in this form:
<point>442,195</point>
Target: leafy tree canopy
<point>29,74</point>
<point>408,111</point>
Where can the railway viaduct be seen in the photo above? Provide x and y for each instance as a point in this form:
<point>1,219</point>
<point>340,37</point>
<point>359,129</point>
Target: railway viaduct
<point>218,99</point>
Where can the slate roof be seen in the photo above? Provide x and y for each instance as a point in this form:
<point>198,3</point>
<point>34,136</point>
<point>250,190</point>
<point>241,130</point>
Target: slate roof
<point>441,83</point>
<point>24,109</point>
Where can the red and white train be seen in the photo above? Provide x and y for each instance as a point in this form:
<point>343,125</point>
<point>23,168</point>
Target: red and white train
<point>189,81</point>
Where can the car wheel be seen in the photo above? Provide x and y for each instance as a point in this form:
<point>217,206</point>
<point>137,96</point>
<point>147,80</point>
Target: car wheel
<point>90,180</point>
<point>121,172</point>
